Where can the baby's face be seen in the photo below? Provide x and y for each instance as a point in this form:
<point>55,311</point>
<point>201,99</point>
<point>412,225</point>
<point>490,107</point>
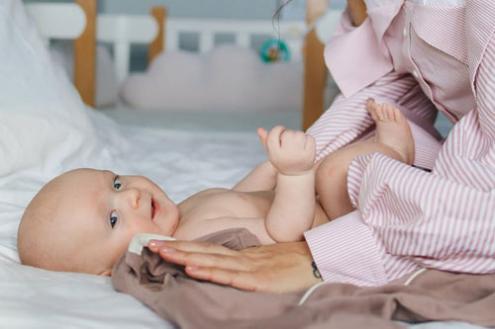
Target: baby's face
<point>99,212</point>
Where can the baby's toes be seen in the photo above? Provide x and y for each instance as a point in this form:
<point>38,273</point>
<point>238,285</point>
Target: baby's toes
<point>381,113</point>
<point>371,107</point>
<point>385,113</point>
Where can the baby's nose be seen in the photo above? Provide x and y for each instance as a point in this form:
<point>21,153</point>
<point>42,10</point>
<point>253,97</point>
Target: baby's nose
<point>133,197</point>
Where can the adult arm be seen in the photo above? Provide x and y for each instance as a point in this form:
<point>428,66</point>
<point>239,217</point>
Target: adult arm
<point>361,70</point>
<point>411,218</point>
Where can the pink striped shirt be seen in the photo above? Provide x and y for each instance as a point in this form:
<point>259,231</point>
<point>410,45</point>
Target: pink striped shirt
<point>424,58</point>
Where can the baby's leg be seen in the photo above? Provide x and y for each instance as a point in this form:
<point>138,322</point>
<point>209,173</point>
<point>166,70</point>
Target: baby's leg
<point>393,138</point>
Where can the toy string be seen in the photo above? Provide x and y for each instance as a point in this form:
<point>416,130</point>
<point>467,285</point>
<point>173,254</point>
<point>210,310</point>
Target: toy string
<point>276,20</point>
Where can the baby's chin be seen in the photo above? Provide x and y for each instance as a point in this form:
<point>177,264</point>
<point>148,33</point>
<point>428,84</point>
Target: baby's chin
<point>169,231</point>
<point>164,224</point>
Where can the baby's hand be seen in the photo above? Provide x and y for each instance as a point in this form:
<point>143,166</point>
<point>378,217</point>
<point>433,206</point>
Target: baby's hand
<point>291,152</point>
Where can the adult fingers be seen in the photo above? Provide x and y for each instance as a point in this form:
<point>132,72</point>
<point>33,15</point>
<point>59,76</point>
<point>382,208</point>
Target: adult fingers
<point>191,246</point>
<point>234,278</point>
<point>238,263</point>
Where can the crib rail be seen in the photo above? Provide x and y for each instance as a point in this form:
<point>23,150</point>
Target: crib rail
<point>70,22</point>
<point>242,31</point>
<point>121,31</point>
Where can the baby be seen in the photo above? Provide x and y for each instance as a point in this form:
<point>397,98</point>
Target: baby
<point>83,220</point>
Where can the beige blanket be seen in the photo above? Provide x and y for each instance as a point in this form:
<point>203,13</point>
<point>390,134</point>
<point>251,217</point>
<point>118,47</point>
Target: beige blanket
<point>426,296</point>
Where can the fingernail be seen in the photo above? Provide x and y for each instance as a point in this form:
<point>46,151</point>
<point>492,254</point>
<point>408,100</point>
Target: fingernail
<point>167,250</point>
<point>153,243</point>
<point>191,268</point>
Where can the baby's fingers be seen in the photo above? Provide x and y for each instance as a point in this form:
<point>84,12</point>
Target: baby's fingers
<point>263,135</point>
<point>274,136</point>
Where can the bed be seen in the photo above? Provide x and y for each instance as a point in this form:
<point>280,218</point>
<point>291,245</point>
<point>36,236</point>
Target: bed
<point>38,100</point>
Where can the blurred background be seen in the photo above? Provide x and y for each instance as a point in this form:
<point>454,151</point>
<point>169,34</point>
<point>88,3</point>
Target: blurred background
<point>223,9</point>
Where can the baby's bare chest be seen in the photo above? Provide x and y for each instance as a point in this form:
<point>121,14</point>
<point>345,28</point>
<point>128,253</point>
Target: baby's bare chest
<point>217,203</point>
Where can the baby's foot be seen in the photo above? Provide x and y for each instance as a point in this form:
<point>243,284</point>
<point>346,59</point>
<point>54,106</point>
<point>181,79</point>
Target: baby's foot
<point>392,129</point>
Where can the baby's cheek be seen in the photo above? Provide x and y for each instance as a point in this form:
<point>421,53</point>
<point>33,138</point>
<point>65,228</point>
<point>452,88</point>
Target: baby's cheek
<point>141,226</point>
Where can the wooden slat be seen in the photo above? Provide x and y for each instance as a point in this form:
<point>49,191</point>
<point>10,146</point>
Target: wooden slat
<point>85,54</point>
<point>357,11</point>
<point>315,72</point>
<point>315,75</point>
<point>158,44</point>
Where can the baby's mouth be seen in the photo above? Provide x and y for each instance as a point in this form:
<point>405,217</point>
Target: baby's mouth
<point>155,208</point>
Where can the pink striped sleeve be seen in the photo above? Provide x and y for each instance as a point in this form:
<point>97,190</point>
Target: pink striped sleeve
<point>347,119</point>
<point>443,219</point>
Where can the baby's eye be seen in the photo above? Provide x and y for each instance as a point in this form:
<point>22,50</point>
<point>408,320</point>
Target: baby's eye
<point>114,217</point>
<point>117,184</point>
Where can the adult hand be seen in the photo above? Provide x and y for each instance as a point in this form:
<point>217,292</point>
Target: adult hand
<point>280,267</point>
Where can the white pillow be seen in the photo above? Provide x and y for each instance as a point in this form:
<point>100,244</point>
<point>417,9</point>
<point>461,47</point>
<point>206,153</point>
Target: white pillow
<point>45,129</point>
<point>107,90</point>
<point>41,114</point>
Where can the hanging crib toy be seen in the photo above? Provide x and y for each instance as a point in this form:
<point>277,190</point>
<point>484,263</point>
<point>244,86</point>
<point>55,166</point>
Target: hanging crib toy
<point>274,50</point>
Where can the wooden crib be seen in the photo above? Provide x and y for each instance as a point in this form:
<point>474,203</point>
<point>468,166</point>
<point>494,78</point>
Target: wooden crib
<point>88,28</point>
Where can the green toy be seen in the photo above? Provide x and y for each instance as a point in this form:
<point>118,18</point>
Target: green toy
<point>274,50</point>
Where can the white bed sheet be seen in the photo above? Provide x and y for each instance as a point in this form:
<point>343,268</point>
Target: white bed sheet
<point>181,162</point>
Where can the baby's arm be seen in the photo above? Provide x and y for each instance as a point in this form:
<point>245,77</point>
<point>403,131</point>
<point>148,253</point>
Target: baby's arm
<point>292,212</point>
<point>262,178</point>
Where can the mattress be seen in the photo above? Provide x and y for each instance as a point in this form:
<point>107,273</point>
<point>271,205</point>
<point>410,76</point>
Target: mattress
<point>204,120</point>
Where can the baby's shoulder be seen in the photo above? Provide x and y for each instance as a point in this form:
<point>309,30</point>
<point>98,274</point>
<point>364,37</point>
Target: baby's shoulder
<point>207,204</point>
<point>205,193</point>
<point>205,197</point>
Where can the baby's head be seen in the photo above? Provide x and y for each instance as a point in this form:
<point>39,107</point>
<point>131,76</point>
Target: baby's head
<point>83,220</point>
